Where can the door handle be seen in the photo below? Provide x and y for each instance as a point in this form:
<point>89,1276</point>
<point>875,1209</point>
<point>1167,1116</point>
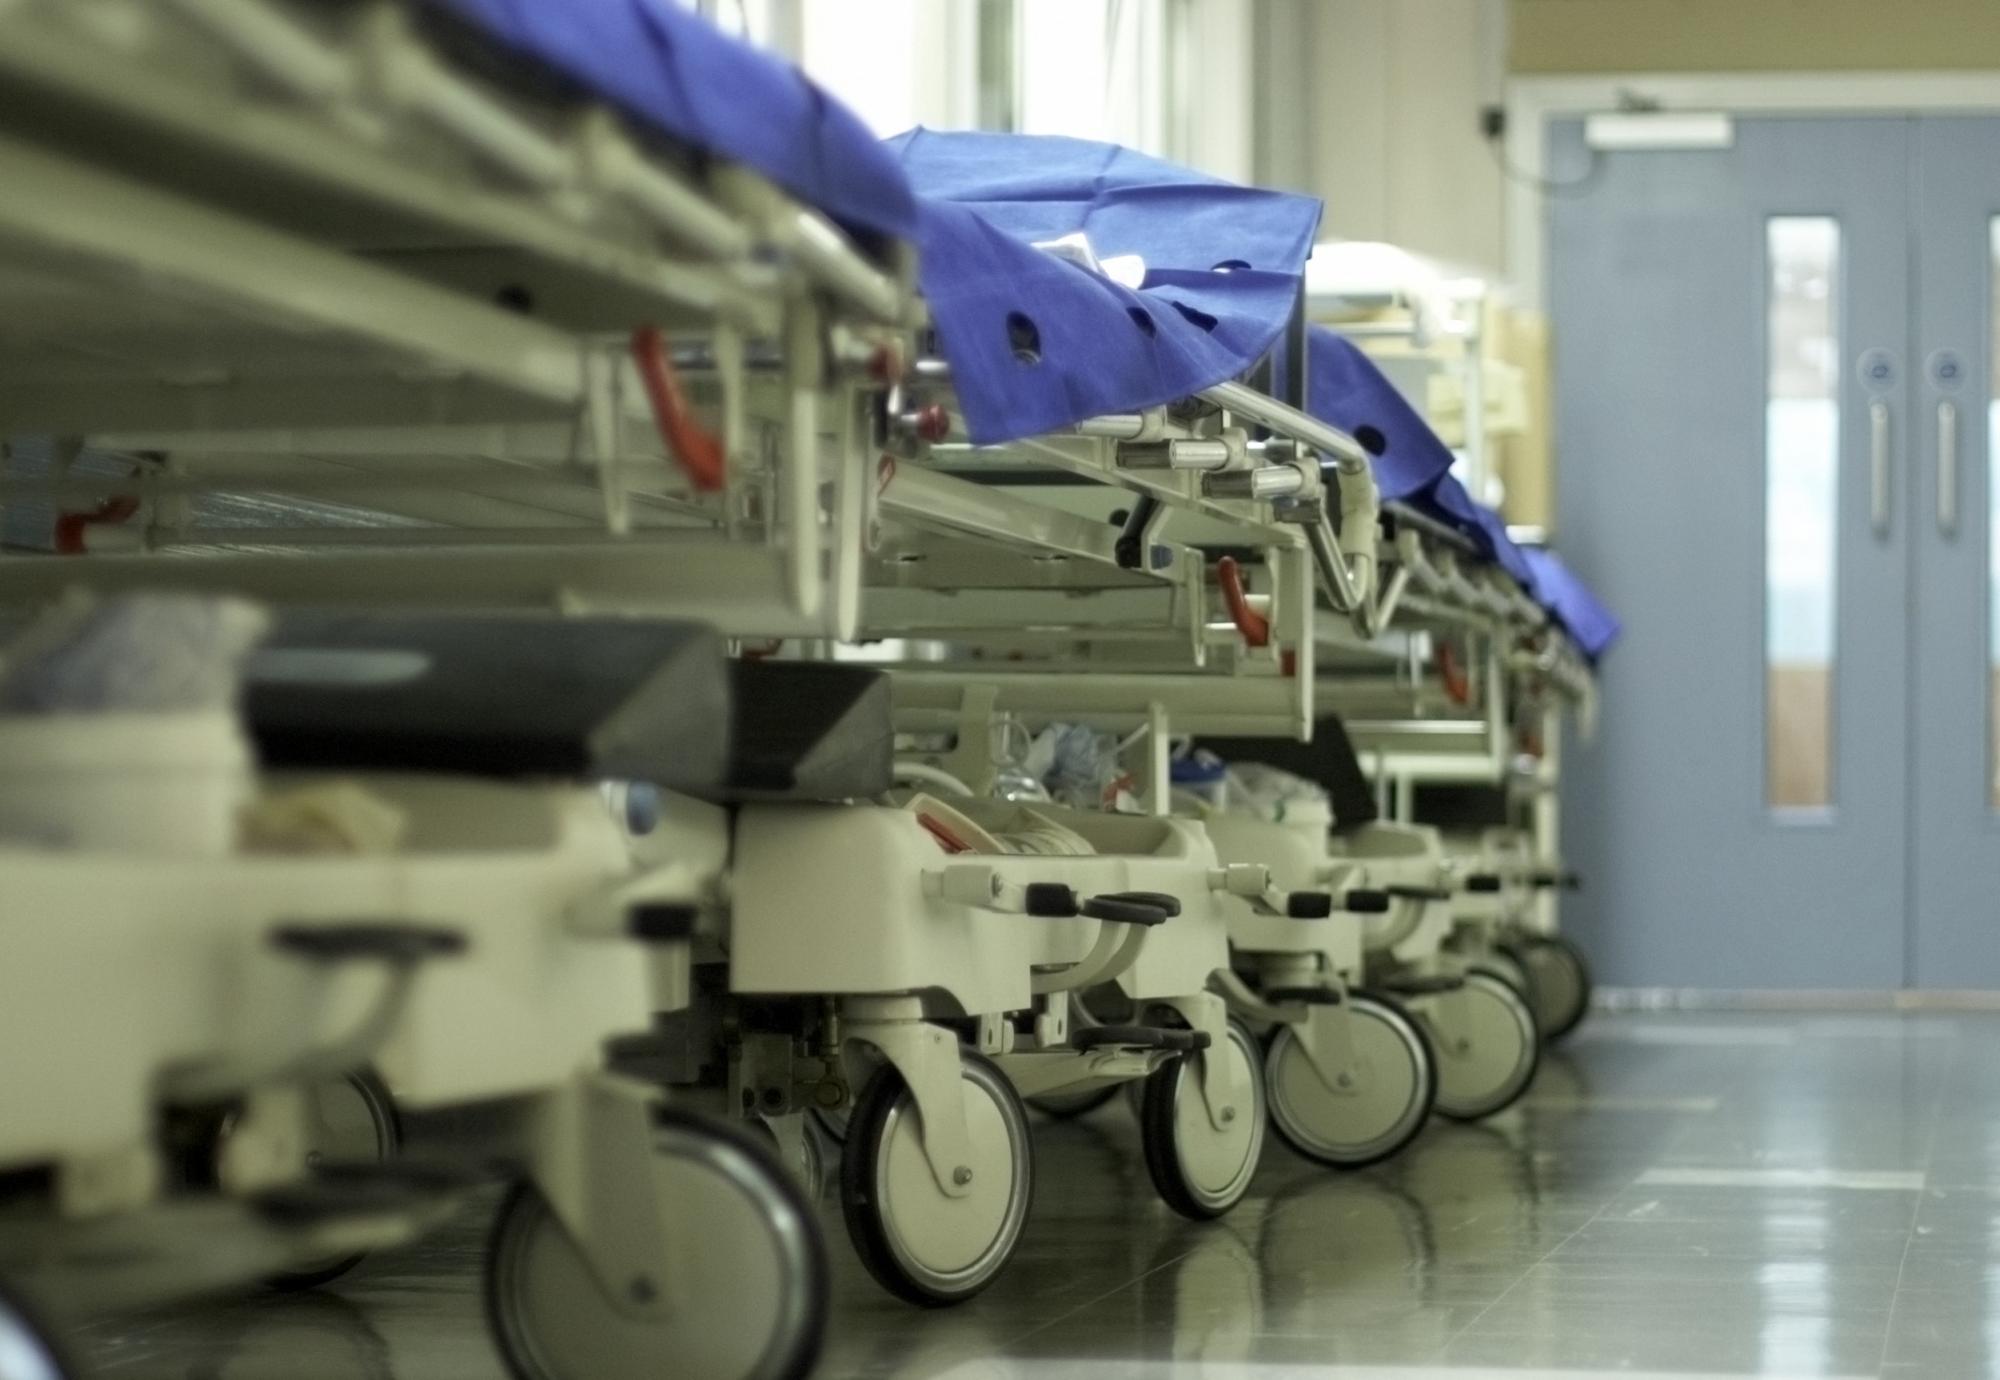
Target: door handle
<point>1878,467</point>
<point>1947,468</point>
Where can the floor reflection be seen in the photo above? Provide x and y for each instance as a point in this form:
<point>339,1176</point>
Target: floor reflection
<point>1694,1196</point>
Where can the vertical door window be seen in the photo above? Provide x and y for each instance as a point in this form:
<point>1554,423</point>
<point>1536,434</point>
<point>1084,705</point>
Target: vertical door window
<point>1801,506</point>
<point>1993,520</point>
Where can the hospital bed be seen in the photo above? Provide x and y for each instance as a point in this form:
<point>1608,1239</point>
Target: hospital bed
<point>379,284</point>
<point>564,356</point>
<point>424,305</point>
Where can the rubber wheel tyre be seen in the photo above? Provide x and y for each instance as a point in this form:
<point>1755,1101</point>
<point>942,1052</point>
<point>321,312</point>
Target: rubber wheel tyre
<point>1201,1170</point>
<point>750,1292</point>
<point>922,1246</point>
<point>1506,960</point>
<point>1398,1086</point>
<point>1491,1056</point>
<point>28,1348</point>
<point>1562,983</point>
<point>1067,1106</point>
<point>351,1120</point>
<point>808,1168</point>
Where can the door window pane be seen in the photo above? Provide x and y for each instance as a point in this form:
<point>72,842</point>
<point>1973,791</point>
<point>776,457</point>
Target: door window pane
<point>1801,503</point>
<point>1993,524</point>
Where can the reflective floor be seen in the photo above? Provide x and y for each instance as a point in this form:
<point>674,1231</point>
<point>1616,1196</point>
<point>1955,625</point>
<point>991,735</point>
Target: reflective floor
<point>1680,1195</point>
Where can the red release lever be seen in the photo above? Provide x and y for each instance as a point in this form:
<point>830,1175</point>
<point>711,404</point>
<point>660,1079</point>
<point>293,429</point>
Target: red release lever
<point>70,526</point>
<point>1457,685</point>
<point>1254,626</point>
<point>698,453</point>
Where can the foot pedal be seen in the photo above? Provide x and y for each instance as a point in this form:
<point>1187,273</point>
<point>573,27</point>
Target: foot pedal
<point>339,1190</point>
<point>1302,996</point>
<point>1417,893</point>
<point>1423,986</point>
<point>1143,1036</point>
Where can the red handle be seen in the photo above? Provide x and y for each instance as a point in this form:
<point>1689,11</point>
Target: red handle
<point>70,526</point>
<point>1254,626</point>
<point>698,453</point>
<point>1457,685</point>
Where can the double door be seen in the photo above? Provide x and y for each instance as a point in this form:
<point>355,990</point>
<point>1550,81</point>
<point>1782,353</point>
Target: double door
<point>1775,380</point>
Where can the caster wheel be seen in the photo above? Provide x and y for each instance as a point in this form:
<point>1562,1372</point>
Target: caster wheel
<point>806,1161</point>
<point>28,1350</point>
<point>1397,1084</point>
<point>1489,1048</point>
<point>1200,1169</point>
<point>1067,1106</point>
<point>1561,983</point>
<point>350,1120</point>
<point>751,1290</point>
<point>833,1123</point>
<point>920,1245</point>
<point>1507,961</point>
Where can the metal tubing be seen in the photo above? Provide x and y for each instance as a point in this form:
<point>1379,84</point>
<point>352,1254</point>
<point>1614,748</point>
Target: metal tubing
<point>1264,483</point>
<point>1248,402</point>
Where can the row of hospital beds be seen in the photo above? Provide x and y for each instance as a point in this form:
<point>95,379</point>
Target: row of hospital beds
<point>578,622</point>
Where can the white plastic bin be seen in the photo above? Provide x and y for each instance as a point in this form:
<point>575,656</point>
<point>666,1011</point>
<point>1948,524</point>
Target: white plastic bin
<point>150,783</point>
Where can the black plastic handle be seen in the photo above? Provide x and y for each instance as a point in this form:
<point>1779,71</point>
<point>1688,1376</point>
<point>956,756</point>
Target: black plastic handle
<point>1125,910</point>
<point>1301,996</point>
<point>382,940</point>
<point>1160,899</point>
<point>1052,900</point>
<point>662,922</point>
<point>1403,891</point>
<point>1366,902</point>
<point>1485,883</point>
<point>1309,905</point>
<point>1552,881</point>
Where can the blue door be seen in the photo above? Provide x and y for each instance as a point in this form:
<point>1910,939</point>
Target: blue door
<point>1741,407</point>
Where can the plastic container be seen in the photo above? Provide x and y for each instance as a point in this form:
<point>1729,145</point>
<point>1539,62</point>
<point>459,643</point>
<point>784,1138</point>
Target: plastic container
<point>150,783</point>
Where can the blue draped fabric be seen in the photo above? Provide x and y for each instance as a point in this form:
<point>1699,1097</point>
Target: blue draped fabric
<point>674,70</point>
<point>1566,597</point>
<point>1346,389</point>
<point>1037,343</point>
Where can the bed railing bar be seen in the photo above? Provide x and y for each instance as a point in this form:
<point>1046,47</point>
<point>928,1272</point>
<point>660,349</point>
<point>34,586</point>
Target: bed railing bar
<point>1278,416</point>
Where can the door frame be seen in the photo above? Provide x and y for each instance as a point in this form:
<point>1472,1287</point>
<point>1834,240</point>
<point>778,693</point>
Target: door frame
<point>1532,102</point>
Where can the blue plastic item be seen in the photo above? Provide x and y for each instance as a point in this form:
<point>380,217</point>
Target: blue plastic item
<point>669,67</point>
<point>1037,343</point>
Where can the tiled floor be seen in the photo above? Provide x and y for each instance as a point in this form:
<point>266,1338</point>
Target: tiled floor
<point>1678,1196</point>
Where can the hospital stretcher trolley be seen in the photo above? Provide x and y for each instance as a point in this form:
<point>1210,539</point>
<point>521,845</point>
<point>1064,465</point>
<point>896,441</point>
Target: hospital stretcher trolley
<point>343,303</point>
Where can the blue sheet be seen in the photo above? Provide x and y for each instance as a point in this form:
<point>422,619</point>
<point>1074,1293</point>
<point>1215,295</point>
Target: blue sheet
<point>1036,343</point>
<point>1593,626</point>
<point>1344,388</point>
<point>670,68</point>
<point>1546,579</point>
<point>1447,501</point>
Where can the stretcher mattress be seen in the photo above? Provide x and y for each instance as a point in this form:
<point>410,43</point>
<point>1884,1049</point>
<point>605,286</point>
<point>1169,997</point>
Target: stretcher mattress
<point>1037,343</point>
<point>672,69</point>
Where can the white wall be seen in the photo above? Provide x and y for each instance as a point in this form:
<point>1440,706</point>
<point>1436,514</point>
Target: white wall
<point>1373,105</point>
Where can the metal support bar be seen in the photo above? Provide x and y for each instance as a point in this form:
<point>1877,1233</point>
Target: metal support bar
<point>58,206</point>
<point>1289,421</point>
